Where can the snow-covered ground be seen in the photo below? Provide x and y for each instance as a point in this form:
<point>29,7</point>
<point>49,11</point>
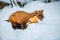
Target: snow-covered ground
<point>48,29</point>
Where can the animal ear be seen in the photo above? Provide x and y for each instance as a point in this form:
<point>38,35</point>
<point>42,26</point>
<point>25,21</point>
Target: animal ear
<point>35,12</point>
<point>41,11</point>
<point>38,11</point>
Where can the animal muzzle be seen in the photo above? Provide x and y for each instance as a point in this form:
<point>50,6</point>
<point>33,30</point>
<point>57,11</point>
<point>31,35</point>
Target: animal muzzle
<point>41,17</point>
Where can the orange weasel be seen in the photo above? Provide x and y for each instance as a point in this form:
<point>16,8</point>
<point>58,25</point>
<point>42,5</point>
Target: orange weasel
<point>19,18</point>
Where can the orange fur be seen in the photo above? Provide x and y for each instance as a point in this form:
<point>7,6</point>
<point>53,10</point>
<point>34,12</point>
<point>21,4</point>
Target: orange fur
<point>21,17</point>
<point>33,20</point>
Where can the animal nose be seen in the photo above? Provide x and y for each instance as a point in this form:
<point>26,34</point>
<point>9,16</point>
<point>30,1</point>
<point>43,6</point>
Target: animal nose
<point>42,16</point>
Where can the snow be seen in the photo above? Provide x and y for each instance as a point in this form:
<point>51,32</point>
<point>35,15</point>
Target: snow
<point>48,29</point>
<point>52,13</point>
<point>34,5</point>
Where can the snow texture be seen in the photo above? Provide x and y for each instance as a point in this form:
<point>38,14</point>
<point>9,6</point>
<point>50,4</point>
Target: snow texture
<point>48,29</point>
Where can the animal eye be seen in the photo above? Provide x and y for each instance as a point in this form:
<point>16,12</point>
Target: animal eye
<point>16,23</point>
<point>39,15</point>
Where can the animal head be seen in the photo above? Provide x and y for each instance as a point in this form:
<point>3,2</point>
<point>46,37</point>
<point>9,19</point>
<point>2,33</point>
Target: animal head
<point>39,14</point>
